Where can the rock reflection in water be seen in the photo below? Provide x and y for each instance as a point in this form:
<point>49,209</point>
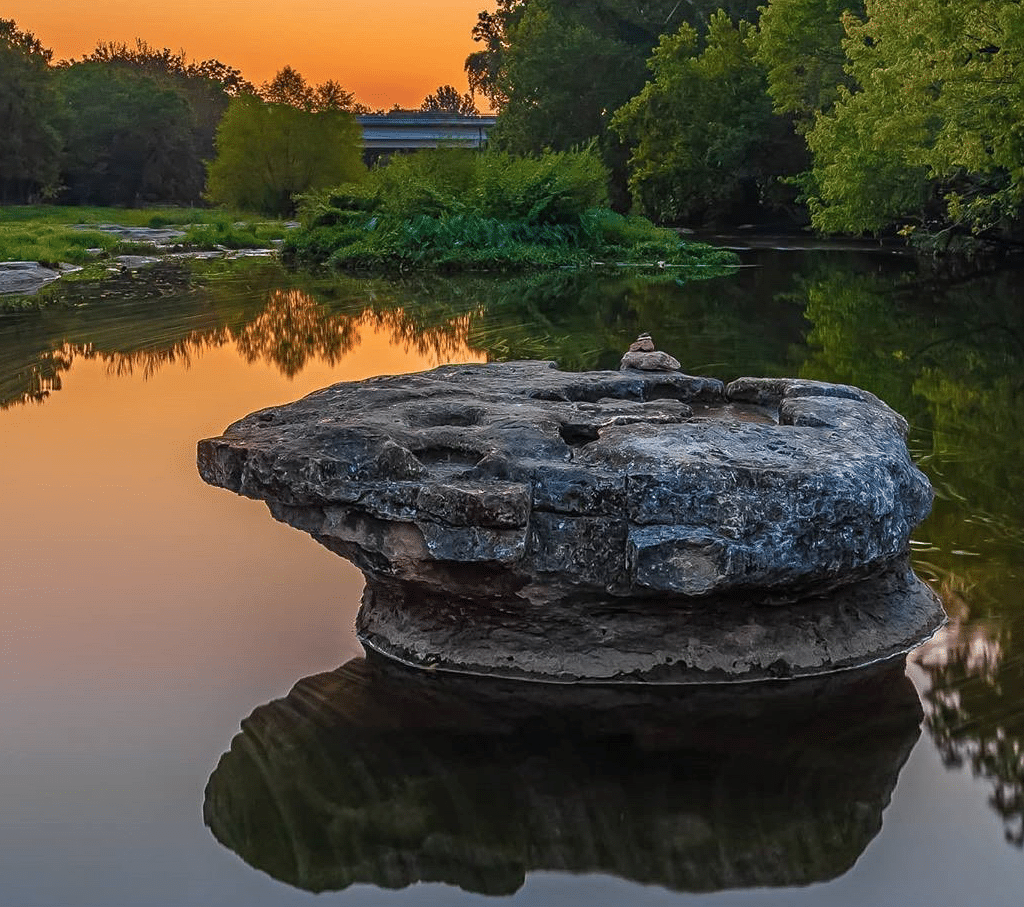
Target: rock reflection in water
<point>370,775</point>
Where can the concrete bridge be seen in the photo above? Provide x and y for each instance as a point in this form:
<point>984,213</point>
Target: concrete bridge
<point>410,130</point>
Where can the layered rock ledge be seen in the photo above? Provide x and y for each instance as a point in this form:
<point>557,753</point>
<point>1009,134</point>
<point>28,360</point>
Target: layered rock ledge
<point>531,507</point>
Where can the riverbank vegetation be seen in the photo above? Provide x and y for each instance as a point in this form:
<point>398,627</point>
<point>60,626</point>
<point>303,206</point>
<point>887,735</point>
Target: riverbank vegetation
<point>452,210</point>
<point>55,234</point>
<point>855,116</point>
<point>882,117</point>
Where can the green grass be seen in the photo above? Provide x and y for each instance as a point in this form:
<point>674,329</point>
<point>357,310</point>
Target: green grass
<point>51,234</point>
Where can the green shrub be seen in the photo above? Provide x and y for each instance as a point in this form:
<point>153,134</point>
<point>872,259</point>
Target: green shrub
<point>451,209</point>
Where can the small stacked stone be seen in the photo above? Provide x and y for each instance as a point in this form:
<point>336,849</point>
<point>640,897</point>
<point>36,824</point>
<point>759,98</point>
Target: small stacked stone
<point>642,355</point>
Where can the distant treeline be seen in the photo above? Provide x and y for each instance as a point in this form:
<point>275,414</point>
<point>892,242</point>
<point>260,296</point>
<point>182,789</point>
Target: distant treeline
<point>856,115</point>
<point>131,124</point>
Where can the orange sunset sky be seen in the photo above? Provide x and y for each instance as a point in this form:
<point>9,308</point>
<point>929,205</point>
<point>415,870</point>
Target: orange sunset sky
<point>393,52</point>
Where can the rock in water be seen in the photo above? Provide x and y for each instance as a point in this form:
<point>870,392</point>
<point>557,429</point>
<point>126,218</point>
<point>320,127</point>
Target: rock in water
<point>519,520</point>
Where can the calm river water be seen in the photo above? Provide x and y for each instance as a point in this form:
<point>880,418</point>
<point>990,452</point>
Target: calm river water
<point>145,615</point>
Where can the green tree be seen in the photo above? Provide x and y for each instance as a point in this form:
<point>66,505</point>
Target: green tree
<point>129,139</point>
<point>448,100</point>
<point>206,86</point>
<point>932,133</point>
<point>556,70</point>
<point>267,153</point>
<point>706,144</point>
<point>30,140</point>
<point>799,43</point>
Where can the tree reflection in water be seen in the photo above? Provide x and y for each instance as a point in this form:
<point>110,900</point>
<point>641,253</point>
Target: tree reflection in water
<point>975,708</point>
<point>292,329</point>
<point>951,357</point>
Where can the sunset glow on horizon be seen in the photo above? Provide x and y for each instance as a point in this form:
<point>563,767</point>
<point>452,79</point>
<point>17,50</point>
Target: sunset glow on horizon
<point>385,54</point>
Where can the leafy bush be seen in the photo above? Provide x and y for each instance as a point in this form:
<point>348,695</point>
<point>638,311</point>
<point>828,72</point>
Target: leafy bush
<point>451,209</point>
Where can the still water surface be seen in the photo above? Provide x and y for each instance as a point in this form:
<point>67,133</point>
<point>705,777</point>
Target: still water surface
<point>144,615</point>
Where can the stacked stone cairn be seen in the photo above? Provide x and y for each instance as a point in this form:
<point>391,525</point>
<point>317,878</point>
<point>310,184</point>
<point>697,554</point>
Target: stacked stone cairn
<point>643,356</point>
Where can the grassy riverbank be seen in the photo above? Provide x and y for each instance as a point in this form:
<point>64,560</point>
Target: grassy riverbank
<point>52,234</point>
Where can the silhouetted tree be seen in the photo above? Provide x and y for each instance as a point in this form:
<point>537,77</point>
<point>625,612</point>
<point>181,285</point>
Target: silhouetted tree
<point>448,99</point>
<point>289,87</point>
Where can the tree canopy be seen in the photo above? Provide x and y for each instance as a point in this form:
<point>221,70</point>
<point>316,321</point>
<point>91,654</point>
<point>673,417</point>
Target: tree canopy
<point>128,139</point>
<point>205,85</point>
<point>267,153</point>
<point>30,139</point>
<point>930,134</point>
<point>799,43</point>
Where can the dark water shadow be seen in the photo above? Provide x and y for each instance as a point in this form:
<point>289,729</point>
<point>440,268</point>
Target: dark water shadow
<point>372,775</point>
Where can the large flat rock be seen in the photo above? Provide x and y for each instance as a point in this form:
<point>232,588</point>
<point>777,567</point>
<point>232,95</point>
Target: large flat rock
<point>516,521</point>
<point>619,483</point>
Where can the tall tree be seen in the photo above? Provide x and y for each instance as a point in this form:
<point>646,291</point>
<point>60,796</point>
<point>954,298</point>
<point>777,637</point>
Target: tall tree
<point>129,139</point>
<point>931,136</point>
<point>289,87</point>
<point>706,145</point>
<point>448,100</point>
<point>267,153</point>
<point>30,140</point>
<point>206,85</point>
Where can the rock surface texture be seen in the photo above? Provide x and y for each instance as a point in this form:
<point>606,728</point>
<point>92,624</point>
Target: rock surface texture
<point>713,532</point>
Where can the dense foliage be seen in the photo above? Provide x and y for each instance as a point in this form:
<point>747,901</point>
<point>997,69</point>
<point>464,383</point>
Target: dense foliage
<point>931,133</point>
<point>557,70</point>
<point>454,210</point>
<point>706,144</point>
<point>267,153</point>
<point>128,139</point>
<point>886,114</point>
<point>29,112</point>
<point>799,43</point>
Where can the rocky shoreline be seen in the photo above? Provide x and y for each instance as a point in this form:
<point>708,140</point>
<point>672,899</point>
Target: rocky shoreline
<point>26,278</point>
